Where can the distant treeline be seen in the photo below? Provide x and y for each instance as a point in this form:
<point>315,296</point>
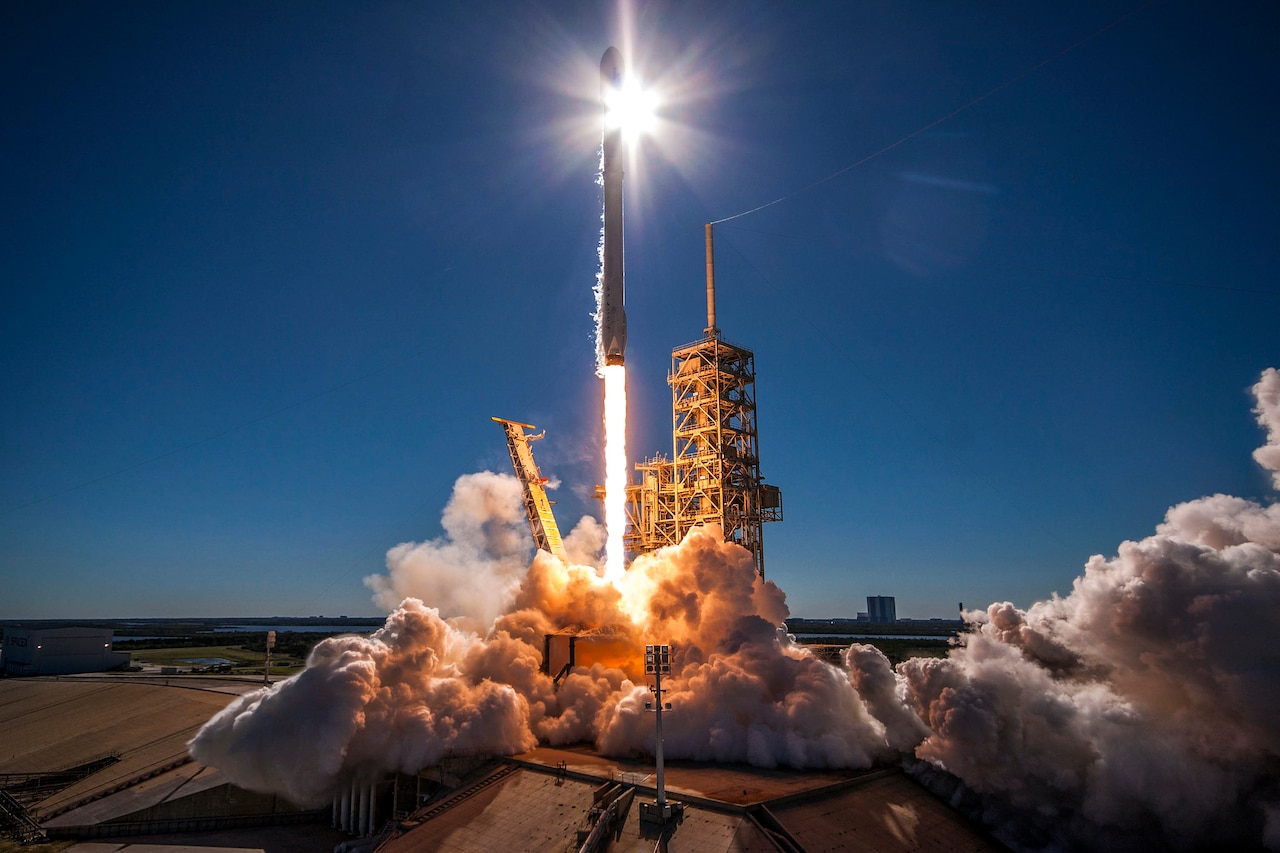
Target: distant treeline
<point>191,627</point>
<point>831,649</point>
<point>288,643</point>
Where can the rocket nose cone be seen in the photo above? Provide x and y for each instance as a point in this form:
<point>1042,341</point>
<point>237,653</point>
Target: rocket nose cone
<point>611,66</point>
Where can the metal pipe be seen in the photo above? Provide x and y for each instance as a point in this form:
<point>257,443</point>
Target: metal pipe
<point>662,787</point>
<point>711,285</point>
<point>363,819</point>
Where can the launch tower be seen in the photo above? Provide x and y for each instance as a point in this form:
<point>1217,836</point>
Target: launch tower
<point>714,474</point>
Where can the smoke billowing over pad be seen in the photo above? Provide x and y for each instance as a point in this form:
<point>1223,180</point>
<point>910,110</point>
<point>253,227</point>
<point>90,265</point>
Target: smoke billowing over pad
<point>399,699</point>
<point>472,570</point>
<point>421,688</point>
<point>1142,710</point>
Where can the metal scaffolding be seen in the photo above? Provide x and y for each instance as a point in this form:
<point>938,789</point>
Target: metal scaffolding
<point>714,475</point>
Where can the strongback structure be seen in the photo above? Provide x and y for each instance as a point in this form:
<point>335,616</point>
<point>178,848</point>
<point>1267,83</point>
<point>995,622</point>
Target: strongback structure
<point>537,506</point>
<point>714,474</point>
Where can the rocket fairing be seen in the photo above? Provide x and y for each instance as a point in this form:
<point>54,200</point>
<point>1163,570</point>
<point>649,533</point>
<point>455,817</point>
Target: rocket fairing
<point>613,313</point>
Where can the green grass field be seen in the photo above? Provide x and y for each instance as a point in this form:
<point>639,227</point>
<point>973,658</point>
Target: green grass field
<point>895,649</point>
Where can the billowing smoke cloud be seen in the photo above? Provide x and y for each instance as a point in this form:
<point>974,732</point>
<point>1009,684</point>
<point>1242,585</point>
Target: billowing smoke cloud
<point>422,687</point>
<point>1268,411</point>
<point>471,573</point>
<point>584,543</point>
<point>398,700</point>
<point>1141,711</point>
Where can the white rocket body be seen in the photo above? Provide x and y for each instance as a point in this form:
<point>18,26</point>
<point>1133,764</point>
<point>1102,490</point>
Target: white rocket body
<point>613,313</point>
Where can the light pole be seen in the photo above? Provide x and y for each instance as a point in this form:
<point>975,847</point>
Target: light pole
<point>657,660</point>
<point>266,670</point>
<point>661,814</point>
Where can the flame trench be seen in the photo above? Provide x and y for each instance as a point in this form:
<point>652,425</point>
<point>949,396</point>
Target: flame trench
<point>615,463</point>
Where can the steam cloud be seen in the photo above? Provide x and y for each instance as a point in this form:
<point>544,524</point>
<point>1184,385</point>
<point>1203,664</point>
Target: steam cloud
<point>1267,392</point>
<point>472,571</point>
<point>422,686</point>
<point>1141,710</point>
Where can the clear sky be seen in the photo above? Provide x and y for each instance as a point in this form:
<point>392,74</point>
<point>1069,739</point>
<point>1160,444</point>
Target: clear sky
<point>269,268</point>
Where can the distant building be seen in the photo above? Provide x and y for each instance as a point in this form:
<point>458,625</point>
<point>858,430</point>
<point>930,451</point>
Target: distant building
<point>882,608</point>
<point>60,651</point>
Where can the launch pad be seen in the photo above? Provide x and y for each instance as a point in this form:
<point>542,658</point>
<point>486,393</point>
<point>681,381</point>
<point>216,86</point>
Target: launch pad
<point>543,799</point>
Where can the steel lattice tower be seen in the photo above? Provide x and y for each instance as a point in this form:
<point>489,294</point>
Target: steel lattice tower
<point>714,474</point>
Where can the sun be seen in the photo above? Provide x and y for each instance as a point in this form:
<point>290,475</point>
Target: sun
<point>631,108</point>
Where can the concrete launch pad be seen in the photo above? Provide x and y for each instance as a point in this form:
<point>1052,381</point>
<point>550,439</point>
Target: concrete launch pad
<point>130,734</point>
<point>720,785</point>
<point>543,799</point>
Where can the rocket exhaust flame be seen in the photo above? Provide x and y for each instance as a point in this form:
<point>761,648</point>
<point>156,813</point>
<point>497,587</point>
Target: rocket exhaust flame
<point>615,455</point>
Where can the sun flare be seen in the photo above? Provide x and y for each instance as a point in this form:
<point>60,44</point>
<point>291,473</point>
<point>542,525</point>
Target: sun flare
<point>632,108</point>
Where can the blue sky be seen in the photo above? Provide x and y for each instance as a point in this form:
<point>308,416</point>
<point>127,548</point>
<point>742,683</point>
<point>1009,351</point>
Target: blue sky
<point>268,269</point>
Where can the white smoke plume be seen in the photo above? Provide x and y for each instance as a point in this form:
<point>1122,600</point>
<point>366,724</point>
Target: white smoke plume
<point>1267,391</point>
<point>584,542</point>
<point>400,699</point>
<point>471,573</point>
<point>1141,711</point>
<point>421,688</point>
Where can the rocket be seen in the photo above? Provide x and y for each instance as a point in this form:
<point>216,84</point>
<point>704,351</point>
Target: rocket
<point>613,313</point>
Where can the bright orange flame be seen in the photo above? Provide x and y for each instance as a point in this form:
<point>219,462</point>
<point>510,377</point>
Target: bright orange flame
<point>615,468</point>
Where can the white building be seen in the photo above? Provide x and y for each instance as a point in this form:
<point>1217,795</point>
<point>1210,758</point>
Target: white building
<point>60,651</point>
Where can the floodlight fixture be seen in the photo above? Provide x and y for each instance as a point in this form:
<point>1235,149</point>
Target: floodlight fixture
<point>657,660</point>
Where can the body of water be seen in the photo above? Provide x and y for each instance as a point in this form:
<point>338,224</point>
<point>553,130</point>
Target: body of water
<point>299,629</point>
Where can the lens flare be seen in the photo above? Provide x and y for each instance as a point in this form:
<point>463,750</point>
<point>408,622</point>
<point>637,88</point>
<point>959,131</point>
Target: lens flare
<point>615,467</point>
<point>632,108</point>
